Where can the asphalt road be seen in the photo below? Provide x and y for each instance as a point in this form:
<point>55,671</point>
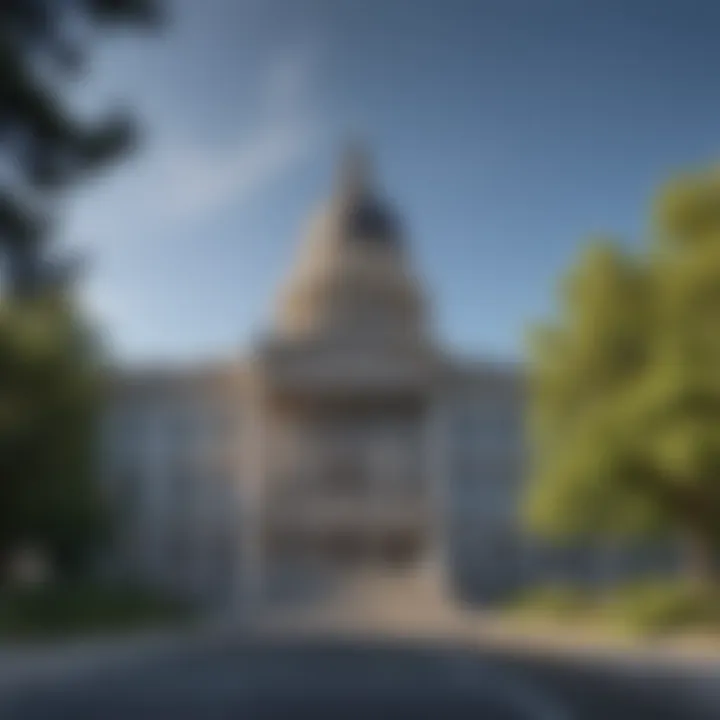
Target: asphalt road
<point>351,679</point>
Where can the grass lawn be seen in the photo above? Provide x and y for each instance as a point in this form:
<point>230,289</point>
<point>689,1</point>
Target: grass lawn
<point>650,608</point>
<point>72,609</point>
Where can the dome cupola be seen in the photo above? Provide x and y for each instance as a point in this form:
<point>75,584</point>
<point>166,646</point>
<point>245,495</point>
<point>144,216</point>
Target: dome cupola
<point>352,277</point>
<point>359,214</point>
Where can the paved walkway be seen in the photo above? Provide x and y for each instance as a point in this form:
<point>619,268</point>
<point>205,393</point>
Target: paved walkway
<point>388,617</point>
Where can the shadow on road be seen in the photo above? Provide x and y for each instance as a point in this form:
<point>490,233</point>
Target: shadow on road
<point>335,677</point>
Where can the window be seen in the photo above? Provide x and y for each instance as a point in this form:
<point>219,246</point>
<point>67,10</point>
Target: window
<point>225,496</point>
<point>179,551</point>
<point>130,493</point>
<point>223,425</point>
<point>183,428</point>
<point>487,426</point>
<point>124,430</point>
<point>465,426</point>
<point>179,429</point>
<point>183,493</point>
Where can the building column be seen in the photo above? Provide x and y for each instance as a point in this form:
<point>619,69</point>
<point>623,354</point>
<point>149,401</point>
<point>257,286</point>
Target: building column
<point>434,438</point>
<point>250,581</point>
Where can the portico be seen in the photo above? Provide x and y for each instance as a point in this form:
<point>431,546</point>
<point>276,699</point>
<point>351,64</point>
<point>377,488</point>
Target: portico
<point>346,383</point>
<point>348,484</point>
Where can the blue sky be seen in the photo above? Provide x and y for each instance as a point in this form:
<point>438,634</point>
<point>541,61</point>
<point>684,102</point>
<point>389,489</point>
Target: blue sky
<point>505,132</point>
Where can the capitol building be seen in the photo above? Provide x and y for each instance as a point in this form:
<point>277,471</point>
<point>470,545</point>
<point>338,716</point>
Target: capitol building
<point>347,443</point>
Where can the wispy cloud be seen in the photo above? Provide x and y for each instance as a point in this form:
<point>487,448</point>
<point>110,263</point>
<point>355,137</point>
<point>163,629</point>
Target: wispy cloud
<point>185,175</point>
<point>194,179</point>
<point>197,177</point>
<point>291,79</point>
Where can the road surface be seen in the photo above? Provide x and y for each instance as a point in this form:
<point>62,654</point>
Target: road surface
<point>253,680</point>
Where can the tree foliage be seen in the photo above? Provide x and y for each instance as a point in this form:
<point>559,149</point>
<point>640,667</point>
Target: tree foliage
<point>49,392</point>
<point>50,364</point>
<point>625,388</point>
<point>43,142</point>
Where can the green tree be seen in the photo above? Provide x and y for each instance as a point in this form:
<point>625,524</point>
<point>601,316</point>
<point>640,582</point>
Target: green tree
<point>625,389</point>
<point>49,386</point>
<point>47,146</point>
<point>50,362</point>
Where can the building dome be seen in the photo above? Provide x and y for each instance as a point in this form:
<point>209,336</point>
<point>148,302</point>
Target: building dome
<point>352,274</point>
<point>367,220</point>
<point>355,213</point>
<point>361,216</point>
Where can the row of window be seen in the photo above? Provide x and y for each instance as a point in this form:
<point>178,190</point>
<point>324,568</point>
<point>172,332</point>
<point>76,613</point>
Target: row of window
<point>486,449</point>
<point>183,494</point>
<point>479,426</point>
<point>182,430</point>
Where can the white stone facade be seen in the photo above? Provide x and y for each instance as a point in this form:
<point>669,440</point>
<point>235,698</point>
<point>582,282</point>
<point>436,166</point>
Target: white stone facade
<point>347,441</point>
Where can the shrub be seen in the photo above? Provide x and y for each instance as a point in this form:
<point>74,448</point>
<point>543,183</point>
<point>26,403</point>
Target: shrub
<point>67,609</point>
<point>559,601</point>
<point>661,606</point>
